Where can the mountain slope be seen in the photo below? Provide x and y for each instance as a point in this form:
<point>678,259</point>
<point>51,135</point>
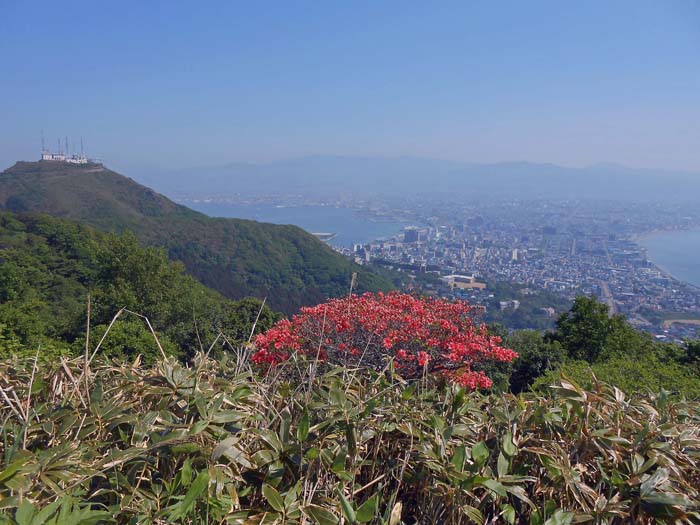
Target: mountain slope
<point>49,266</point>
<point>236,257</point>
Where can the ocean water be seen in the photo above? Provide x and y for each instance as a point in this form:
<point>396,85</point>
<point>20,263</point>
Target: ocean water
<point>677,252</point>
<point>349,226</point>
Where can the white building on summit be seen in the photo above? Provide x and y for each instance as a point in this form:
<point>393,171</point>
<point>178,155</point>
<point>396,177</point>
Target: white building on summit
<point>62,155</point>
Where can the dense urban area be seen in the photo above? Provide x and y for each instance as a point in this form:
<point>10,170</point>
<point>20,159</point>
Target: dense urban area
<point>567,248</point>
<point>512,255</point>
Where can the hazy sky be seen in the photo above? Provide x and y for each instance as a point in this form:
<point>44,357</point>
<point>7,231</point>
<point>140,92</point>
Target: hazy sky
<point>191,83</point>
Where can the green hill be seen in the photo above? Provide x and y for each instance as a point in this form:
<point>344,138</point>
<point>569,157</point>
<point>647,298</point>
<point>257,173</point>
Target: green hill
<point>49,266</point>
<point>237,257</point>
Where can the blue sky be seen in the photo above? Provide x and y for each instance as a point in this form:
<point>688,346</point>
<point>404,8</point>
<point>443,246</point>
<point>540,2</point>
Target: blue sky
<point>164,84</point>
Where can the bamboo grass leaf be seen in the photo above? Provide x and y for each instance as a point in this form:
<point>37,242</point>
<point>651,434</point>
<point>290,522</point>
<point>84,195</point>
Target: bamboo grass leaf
<point>303,428</point>
<point>473,514</point>
<point>320,515</point>
<point>368,509</point>
<point>346,506</point>
<point>480,453</point>
<point>25,513</point>
<point>508,513</point>
<point>495,487</point>
<point>187,504</point>
<point>273,497</point>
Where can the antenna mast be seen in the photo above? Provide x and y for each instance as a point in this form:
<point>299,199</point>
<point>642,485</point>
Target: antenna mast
<point>43,146</point>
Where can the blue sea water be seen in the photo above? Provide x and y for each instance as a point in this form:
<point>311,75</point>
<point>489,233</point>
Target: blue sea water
<point>349,226</point>
<point>677,252</point>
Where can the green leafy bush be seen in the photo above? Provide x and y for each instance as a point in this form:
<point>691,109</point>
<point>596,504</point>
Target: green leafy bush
<point>589,343</point>
<point>639,375</point>
<point>213,443</point>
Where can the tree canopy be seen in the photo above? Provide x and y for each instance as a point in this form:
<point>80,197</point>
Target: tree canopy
<point>589,343</point>
<point>49,267</point>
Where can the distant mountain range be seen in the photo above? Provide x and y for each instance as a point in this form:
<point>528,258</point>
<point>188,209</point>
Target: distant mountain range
<point>237,257</point>
<point>402,176</point>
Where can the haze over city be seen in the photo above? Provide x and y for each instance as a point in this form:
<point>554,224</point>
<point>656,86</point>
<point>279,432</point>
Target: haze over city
<point>206,84</point>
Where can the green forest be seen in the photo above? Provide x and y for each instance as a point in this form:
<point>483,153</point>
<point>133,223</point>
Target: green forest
<point>53,271</point>
<point>238,258</point>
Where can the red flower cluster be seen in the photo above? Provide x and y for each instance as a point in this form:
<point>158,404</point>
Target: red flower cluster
<point>422,334</point>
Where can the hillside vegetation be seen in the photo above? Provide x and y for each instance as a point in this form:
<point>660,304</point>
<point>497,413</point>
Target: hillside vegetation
<point>49,267</point>
<point>238,258</point>
<point>186,427</point>
<point>216,443</point>
<point>131,393</point>
<point>588,343</point>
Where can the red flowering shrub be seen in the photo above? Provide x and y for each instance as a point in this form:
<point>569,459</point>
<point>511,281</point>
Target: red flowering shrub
<point>433,335</point>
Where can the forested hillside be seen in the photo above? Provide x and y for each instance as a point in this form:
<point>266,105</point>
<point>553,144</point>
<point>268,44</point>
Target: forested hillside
<point>590,345</point>
<point>238,258</point>
<point>49,267</point>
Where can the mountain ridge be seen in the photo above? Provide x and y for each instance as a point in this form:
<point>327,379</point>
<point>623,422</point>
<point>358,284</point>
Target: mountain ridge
<point>400,176</point>
<point>236,257</point>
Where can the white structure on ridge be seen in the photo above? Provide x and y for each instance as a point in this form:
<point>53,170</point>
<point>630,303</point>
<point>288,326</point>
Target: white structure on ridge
<point>63,155</point>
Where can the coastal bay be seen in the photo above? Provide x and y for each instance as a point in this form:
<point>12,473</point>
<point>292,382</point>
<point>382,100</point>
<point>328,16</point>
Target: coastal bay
<point>676,252</point>
<point>349,225</point>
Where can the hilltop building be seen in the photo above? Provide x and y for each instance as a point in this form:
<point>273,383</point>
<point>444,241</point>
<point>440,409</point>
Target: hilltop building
<point>63,155</point>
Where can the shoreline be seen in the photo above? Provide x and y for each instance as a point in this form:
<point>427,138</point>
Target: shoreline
<point>638,239</point>
<point>344,237</point>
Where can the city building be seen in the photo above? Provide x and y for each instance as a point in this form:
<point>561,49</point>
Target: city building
<point>462,282</point>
